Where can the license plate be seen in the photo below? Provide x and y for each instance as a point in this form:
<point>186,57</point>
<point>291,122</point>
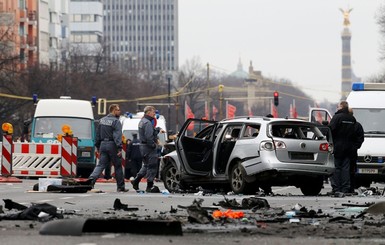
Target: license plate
<point>86,154</point>
<point>368,171</point>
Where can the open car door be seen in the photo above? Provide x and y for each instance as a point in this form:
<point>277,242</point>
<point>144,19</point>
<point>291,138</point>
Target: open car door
<point>194,146</point>
<point>321,117</point>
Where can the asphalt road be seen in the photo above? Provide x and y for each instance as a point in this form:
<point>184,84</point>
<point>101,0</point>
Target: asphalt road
<point>259,227</point>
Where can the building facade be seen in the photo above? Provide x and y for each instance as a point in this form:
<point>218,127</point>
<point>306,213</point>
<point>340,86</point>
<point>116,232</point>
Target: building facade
<point>38,29</point>
<point>86,27</point>
<point>142,34</point>
<point>58,38</point>
<point>18,25</point>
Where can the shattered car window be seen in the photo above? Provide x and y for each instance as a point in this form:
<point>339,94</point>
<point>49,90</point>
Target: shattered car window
<point>304,132</point>
<point>251,131</point>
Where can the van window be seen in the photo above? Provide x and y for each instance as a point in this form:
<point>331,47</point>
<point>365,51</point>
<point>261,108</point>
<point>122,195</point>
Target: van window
<point>372,120</point>
<point>50,127</point>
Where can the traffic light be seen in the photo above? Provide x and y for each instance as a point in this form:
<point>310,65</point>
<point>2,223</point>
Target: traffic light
<point>276,98</point>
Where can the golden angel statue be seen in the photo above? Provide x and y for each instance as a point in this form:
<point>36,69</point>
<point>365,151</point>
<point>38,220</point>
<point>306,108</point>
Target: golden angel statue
<point>346,14</point>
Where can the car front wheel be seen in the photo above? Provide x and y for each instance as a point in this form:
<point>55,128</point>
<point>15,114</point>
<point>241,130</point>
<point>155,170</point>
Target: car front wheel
<point>171,178</point>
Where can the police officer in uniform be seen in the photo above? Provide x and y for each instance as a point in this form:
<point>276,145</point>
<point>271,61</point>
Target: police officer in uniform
<point>148,136</point>
<point>109,145</point>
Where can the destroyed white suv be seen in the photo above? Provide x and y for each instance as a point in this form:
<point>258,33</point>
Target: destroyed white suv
<point>247,153</point>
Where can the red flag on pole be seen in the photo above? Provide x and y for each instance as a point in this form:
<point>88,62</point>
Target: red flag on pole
<point>230,110</point>
<point>215,112</point>
<point>295,113</point>
<point>189,114</point>
<point>274,110</point>
<point>250,112</point>
<point>206,111</point>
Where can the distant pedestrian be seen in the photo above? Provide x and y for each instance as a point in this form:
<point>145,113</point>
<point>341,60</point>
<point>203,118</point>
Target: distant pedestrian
<point>109,146</point>
<point>343,133</point>
<point>148,136</point>
<point>359,130</point>
<point>134,158</point>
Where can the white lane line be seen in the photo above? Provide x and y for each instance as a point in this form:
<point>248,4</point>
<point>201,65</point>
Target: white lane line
<point>47,200</point>
<point>65,198</point>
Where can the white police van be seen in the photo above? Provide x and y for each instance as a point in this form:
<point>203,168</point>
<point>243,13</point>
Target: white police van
<point>49,118</point>
<point>368,103</point>
<point>130,124</point>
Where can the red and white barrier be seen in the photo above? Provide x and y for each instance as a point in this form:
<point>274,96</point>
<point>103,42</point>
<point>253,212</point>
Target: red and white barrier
<point>36,159</point>
<point>66,156</point>
<point>74,165</point>
<point>6,158</point>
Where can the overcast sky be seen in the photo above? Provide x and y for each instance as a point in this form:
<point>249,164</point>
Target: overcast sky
<point>299,40</point>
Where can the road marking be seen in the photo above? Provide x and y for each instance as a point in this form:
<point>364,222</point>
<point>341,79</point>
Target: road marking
<point>47,200</point>
<point>64,198</point>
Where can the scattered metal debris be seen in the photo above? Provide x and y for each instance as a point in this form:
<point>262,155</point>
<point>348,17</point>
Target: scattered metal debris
<point>9,204</point>
<point>118,205</point>
<point>40,211</point>
<point>76,227</point>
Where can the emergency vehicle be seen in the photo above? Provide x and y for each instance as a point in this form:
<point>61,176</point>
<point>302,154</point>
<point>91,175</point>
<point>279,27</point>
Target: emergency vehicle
<point>368,103</point>
<point>130,124</point>
<point>52,114</point>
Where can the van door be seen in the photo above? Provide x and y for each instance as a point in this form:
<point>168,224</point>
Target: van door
<point>194,146</point>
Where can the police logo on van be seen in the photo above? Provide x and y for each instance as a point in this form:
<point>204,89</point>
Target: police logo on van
<point>367,158</point>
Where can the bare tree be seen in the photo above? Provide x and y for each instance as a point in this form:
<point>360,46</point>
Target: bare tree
<point>381,23</point>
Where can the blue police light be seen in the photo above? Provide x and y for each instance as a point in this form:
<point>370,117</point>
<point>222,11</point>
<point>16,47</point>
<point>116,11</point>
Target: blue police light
<point>93,101</point>
<point>34,99</point>
<point>358,87</point>
<point>128,114</point>
<point>157,114</point>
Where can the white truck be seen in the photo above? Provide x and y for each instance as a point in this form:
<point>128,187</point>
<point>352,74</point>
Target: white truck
<point>368,103</point>
<point>130,124</point>
<point>52,114</point>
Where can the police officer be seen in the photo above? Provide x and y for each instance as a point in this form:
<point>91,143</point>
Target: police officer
<point>109,145</point>
<point>148,136</point>
<point>134,157</point>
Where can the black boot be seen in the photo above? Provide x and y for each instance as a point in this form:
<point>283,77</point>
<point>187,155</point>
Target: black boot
<point>149,186</point>
<point>135,184</point>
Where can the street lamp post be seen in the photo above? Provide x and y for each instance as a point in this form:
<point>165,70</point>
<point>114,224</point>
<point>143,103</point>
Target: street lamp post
<point>169,101</point>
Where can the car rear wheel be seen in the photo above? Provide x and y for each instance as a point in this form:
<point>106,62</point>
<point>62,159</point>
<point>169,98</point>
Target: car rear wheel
<point>312,187</point>
<point>171,178</point>
<point>238,182</point>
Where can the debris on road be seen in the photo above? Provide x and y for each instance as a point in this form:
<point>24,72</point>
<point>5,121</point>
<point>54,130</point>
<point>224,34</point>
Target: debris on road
<point>197,213</point>
<point>9,204</point>
<point>375,209</point>
<point>118,205</point>
<point>228,214</point>
<point>40,211</point>
<point>62,186</point>
<point>76,227</point>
